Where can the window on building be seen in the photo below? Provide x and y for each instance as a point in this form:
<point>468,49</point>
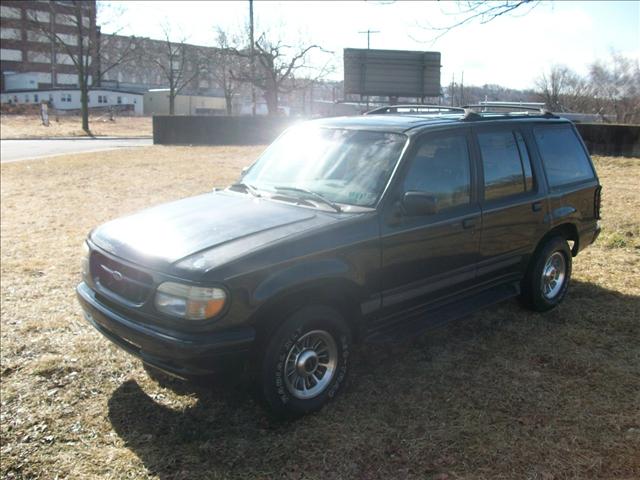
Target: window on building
<point>119,100</point>
<point>68,97</point>
<point>26,98</point>
<point>15,98</point>
<point>506,164</point>
<point>35,98</point>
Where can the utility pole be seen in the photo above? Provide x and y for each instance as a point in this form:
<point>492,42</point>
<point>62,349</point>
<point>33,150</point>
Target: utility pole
<point>452,89</point>
<point>369,32</point>
<point>252,61</point>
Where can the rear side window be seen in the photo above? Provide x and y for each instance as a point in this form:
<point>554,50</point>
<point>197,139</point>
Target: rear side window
<point>506,164</point>
<point>441,168</point>
<point>564,159</point>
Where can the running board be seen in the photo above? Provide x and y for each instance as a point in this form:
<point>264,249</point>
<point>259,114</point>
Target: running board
<point>415,323</point>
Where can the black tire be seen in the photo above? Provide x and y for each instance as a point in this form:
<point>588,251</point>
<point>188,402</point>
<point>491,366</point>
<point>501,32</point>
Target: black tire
<point>533,295</point>
<point>275,390</point>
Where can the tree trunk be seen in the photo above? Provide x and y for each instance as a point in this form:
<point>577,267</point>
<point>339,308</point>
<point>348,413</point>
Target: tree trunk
<point>84,103</point>
<point>271,97</point>
<point>228,98</point>
<point>172,102</point>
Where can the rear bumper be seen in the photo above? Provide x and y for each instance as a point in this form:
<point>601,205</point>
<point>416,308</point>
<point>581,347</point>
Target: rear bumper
<point>587,236</point>
<point>184,355</point>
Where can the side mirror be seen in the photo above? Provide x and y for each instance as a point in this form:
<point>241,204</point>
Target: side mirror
<point>419,203</point>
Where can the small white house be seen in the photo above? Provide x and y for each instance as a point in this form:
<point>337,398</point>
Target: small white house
<point>69,99</point>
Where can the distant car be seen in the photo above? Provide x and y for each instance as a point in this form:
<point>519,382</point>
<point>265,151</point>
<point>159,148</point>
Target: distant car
<point>351,229</point>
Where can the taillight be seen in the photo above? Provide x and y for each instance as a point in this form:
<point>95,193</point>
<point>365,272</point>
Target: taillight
<point>597,201</point>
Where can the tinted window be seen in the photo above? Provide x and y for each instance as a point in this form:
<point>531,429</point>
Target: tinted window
<point>504,157</point>
<point>562,154</point>
<point>441,169</point>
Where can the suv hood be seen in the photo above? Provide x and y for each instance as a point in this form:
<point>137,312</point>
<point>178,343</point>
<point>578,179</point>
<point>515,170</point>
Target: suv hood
<point>167,233</point>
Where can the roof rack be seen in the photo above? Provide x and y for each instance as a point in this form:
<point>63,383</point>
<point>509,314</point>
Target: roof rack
<point>486,104</point>
<point>491,107</point>
<point>409,109</point>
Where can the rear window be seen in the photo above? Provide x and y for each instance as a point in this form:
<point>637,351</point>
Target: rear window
<point>564,159</point>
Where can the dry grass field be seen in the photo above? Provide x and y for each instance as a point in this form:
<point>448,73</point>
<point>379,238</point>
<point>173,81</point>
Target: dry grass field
<point>30,126</point>
<point>503,394</point>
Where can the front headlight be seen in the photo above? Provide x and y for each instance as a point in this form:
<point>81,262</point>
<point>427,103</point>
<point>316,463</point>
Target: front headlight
<point>191,303</point>
<point>85,260</point>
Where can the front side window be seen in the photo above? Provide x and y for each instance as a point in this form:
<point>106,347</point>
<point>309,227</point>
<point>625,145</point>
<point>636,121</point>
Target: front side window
<point>564,159</point>
<point>506,164</point>
<point>344,166</point>
<point>441,169</point>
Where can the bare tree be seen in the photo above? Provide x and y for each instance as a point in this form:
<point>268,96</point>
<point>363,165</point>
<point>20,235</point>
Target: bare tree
<point>563,90</point>
<point>281,69</point>
<point>82,47</point>
<point>222,63</point>
<point>616,88</point>
<point>179,63</point>
<point>480,11</point>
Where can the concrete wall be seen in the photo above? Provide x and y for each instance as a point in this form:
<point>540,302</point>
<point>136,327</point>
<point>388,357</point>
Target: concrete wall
<point>213,130</point>
<point>611,140</point>
<point>601,139</point>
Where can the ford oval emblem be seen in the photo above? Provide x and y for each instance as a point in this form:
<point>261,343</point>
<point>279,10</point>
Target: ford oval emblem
<point>117,276</point>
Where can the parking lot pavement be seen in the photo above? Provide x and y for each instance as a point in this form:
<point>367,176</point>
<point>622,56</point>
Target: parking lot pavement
<point>16,150</point>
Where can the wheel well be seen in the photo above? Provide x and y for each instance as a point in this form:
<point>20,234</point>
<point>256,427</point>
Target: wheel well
<point>336,295</point>
<point>568,231</point>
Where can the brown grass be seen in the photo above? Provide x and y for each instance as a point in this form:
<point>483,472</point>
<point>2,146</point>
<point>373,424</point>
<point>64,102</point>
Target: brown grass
<point>30,126</point>
<point>502,394</point>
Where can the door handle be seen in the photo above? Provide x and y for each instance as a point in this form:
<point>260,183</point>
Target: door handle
<point>468,223</point>
<point>536,206</point>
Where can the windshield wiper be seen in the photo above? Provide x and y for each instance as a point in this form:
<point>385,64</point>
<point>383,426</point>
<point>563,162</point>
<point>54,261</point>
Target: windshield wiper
<point>247,188</point>
<point>314,195</point>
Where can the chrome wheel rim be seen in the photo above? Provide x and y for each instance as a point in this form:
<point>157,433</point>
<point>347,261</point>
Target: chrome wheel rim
<point>311,364</point>
<point>553,275</point>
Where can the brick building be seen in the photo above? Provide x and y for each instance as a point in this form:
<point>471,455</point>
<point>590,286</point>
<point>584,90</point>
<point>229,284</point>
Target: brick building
<point>28,58</point>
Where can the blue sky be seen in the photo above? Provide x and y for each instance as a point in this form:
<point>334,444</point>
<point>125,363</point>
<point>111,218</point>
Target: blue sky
<point>511,51</point>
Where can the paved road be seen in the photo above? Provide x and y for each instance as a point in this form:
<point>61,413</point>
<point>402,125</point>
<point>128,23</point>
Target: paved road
<point>15,150</point>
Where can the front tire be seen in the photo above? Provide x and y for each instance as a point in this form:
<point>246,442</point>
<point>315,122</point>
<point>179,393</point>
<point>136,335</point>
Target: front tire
<point>547,280</point>
<point>305,362</point>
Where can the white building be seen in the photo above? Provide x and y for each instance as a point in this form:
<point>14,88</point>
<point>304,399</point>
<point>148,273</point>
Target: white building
<point>69,99</point>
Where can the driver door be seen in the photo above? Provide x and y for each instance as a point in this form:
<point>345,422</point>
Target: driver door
<point>428,256</point>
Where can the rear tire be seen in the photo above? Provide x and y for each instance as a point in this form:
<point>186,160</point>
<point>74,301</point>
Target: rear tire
<point>305,362</point>
<point>547,279</point>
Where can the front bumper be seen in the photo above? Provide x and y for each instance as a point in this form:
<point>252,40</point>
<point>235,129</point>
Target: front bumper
<point>180,354</point>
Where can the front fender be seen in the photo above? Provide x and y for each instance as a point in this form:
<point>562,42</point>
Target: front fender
<point>300,276</point>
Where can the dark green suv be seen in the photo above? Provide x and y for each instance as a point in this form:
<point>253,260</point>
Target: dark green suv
<point>346,230</point>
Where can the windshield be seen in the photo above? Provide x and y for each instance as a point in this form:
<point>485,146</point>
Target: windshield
<point>343,166</point>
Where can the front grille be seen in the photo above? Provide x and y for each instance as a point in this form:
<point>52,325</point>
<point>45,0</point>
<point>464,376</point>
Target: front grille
<point>124,281</point>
